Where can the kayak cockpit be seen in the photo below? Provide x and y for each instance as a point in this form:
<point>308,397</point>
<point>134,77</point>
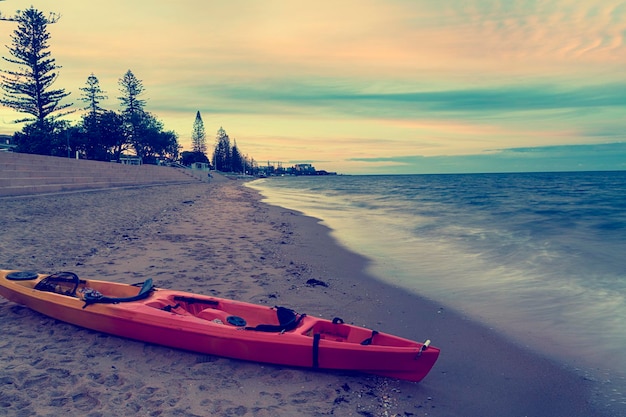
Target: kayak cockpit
<point>64,283</point>
<point>92,292</point>
<point>337,331</point>
<point>92,296</point>
<point>238,314</point>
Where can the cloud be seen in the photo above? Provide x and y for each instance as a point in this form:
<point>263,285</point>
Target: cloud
<point>618,148</point>
<point>353,98</point>
<point>602,157</point>
<point>328,80</point>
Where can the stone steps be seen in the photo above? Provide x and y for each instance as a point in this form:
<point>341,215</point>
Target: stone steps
<point>25,174</point>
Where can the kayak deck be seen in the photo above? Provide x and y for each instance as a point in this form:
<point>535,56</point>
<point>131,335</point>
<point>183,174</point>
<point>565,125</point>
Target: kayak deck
<point>219,326</point>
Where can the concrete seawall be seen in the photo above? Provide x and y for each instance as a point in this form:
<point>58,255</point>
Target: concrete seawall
<point>25,174</point>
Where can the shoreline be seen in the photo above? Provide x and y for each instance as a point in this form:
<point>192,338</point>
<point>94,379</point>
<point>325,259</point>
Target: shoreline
<point>523,381</point>
<point>221,239</point>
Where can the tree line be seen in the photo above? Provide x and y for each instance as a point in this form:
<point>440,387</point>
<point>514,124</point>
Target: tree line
<point>226,157</point>
<point>101,134</point>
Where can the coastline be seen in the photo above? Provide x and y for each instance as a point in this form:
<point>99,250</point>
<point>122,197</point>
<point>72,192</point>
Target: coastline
<point>479,372</point>
<point>221,239</point>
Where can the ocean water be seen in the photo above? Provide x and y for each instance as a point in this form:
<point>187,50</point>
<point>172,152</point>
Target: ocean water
<point>541,257</point>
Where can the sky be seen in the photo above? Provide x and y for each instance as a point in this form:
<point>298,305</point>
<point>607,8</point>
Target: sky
<point>362,86</point>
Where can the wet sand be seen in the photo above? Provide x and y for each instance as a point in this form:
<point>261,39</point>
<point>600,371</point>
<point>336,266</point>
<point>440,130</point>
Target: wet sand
<point>219,239</point>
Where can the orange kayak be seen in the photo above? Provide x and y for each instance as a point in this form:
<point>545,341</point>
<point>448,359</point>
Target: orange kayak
<point>218,326</point>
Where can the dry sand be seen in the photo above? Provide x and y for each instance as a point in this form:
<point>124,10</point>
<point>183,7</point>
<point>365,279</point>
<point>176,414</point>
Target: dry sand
<point>220,239</point>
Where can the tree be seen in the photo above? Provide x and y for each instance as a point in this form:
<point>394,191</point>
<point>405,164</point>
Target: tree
<point>188,158</point>
<point>198,135</point>
<point>47,138</point>
<point>144,132</point>
<point>221,154</point>
<point>132,106</point>
<point>167,145</point>
<point>92,94</point>
<point>103,136</point>
<point>112,134</point>
<point>28,89</point>
<point>250,165</point>
<point>151,141</point>
<point>236,159</point>
<point>91,134</point>
<point>131,88</point>
<point>147,129</point>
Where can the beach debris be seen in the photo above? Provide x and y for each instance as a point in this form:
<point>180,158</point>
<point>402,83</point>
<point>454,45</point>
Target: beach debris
<point>316,282</point>
<point>340,399</point>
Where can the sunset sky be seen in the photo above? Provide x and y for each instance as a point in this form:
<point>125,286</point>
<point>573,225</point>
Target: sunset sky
<point>363,86</point>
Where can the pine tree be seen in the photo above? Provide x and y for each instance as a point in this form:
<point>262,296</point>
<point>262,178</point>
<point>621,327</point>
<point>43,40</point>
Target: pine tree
<point>92,95</point>
<point>222,153</point>
<point>28,89</point>
<point>198,136</point>
<point>131,88</point>
<point>95,143</point>
<point>133,108</point>
<point>236,159</point>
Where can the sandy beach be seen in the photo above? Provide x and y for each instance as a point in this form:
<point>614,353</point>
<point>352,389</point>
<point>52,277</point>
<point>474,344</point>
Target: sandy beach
<point>220,239</point>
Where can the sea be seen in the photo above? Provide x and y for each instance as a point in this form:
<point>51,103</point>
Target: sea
<point>539,257</point>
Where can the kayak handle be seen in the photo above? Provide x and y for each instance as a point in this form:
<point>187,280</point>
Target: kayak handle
<point>423,348</point>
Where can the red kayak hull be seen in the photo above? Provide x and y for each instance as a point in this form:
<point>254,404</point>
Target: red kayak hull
<point>215,326</point>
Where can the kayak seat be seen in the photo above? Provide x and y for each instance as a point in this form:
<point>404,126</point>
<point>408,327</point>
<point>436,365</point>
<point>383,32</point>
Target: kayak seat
<point>334,331</point>
<point>158,304</point>
<point>64,283</point>
<point>212,314</point>
<point>287,319</point>
<point>95,297</point>
<point>220,317</point>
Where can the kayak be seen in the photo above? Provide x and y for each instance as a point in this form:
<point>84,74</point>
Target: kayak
<point>218,326</point>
